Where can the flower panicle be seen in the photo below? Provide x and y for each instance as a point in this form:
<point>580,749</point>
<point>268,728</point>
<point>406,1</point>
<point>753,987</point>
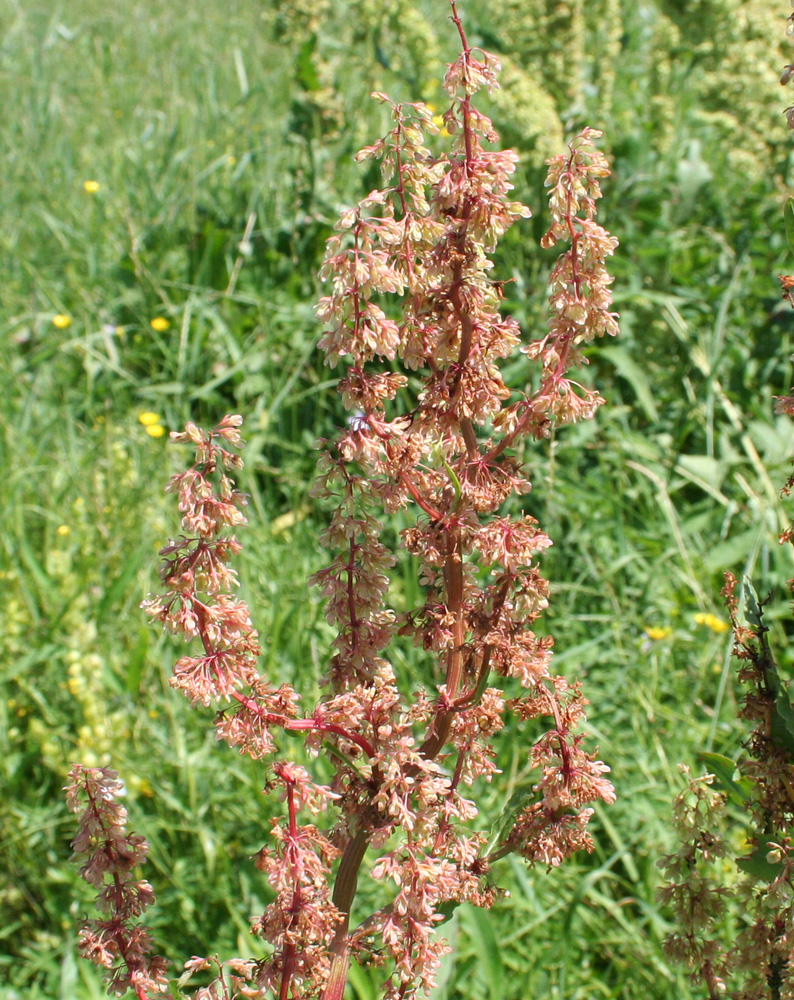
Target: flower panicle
<point>690,887</point>
<point>414,315</point>
<point>110,854</point>
<point>579,284</point>
<point>199,601</point>
<point>412,312</point>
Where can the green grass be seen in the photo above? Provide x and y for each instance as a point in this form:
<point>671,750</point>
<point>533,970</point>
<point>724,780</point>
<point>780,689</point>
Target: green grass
<point>207,122</point>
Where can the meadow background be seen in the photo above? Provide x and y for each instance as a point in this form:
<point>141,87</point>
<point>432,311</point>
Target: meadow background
<point>170,174</point>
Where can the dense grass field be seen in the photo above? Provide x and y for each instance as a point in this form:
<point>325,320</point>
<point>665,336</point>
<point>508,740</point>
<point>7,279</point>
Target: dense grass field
<point>171,172</point>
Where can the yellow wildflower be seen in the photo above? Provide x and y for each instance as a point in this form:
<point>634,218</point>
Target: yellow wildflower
<point>60,322</point>
<point>712,621</point>
<point>657,633</point>
<point>159,323</point>
<point>151,424</point>
<point>63,530</point>
<point>91,187</point>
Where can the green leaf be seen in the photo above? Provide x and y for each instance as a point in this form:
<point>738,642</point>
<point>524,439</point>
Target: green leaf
<point>306,73</point>
<point>752,606</point>
<point>361,983</point>
<point>68,981</point>
<point>723,769</point>
<point>788,215</point>
<point>119,588</point>
<point>733,550</point>
<point>782,729</point>
<point>447,910</point>
<point>481,932</point>
<point>336,752</point>
<point>756,864</point>
<point>523,796</point>
<point>782,722</point>
<point>702,470</point>
<point>628,369</point>
<point>136,662</point>
<point>622,848</point>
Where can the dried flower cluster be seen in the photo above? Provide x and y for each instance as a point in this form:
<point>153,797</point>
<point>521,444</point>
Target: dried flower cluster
<point>111,854</point>
<point>415,315</point>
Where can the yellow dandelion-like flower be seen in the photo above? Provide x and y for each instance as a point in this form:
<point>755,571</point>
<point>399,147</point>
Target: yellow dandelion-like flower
<point>231,161</point>
<point>155,430</point>
<point>657,633</point>
<point>148,418</point>
<point>60,321</point>
<point>711,621</point>
<point>91,187</point>
<point>63,530</point>
<point>159,323</point>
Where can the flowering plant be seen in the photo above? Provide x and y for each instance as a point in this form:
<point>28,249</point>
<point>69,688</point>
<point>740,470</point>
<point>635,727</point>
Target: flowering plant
<point>734,916</point>
<point>434,431</point>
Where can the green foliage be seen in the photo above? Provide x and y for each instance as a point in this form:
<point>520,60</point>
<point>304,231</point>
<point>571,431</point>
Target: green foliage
<point>221,138</point>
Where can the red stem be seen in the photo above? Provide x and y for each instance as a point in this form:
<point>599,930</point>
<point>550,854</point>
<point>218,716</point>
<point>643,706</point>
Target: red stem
<point>288,955</point>
<point>296,725</point>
